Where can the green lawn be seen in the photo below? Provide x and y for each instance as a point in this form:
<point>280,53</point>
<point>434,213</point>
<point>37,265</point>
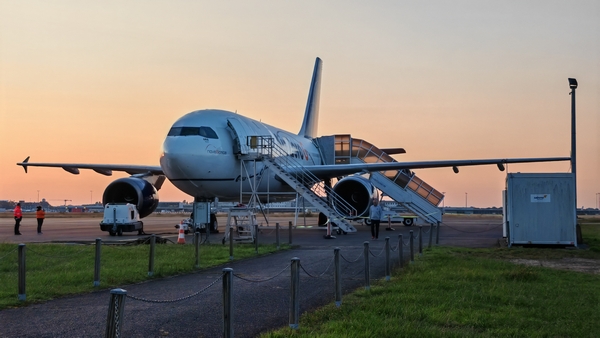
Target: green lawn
<point>456,292</point>
<point>55,270</point>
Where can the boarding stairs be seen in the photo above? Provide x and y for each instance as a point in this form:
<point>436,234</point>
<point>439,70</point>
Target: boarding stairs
<point>402,186</point>
<point>305,183</point>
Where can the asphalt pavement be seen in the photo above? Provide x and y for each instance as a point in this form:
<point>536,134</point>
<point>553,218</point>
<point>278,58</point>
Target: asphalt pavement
<point>191,305</point>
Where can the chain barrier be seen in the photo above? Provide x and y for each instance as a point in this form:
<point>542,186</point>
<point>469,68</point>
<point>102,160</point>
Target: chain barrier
<point>407,243</point>
<point>474,232</point>
<point>354,261</point>
<point>379,254</point>
<point>29,249</point>
<point>328,266</point>
<point>8,253</point>
<point>177,299</point>
<point>263,280</point>
<point>426,232</point>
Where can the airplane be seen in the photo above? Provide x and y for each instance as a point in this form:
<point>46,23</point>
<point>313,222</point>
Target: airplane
<point>203,155</point>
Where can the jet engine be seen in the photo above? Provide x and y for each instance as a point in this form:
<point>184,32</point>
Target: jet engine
<point>136,191</point>
<point>358,192</point>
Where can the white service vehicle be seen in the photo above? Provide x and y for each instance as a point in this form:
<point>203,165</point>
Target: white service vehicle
<point>394,216</point>
<point>119,218</point>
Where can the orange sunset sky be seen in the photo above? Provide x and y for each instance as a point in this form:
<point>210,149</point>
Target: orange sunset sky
<point>102,82</point>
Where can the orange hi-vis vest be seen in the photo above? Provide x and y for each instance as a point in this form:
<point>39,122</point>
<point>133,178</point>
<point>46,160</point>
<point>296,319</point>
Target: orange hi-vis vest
<point>18,212</point>
<point>40,214</point>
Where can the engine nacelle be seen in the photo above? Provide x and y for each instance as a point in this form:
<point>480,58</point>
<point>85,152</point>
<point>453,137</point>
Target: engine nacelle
<point>358,192</point>
<point>132,190</point>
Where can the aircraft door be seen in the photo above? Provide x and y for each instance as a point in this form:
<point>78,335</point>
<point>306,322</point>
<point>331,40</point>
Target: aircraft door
<point>241,131</point>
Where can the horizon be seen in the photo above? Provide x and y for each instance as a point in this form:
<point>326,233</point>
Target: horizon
<point>103,83</point>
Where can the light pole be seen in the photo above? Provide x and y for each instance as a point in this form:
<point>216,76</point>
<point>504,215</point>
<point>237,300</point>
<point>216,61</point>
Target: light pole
<point>91,191</point>
<point>444,200</point>
<point>466,200</point>
<point>573,86</point>
<point>598,200</point>
<point>38,196</point>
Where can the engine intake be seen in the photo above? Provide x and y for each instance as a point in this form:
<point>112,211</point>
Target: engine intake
<point>358,192</point>
<point>132,190</point>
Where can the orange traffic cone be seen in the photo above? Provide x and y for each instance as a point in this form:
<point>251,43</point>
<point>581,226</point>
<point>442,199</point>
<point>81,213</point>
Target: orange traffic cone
<point>181,238</point>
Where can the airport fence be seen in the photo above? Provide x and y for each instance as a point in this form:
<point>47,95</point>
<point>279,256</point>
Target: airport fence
<point>333,272</point>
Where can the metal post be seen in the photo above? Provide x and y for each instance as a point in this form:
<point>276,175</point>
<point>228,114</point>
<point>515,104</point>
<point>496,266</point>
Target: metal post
<point>152,253</point>
<point>256,238</point>
<point>573,86</point>
<point>387,259</point>
<point>337,277</point>
<point>97,262</point>
<point>430,234</point>
<point>197,249</point>
<point>116,307</point>
<point>437,234</point>
<point>22,270</point>
<point>294,294</point>
<point>230,243</point>
<point>367,276</point>
<point>420,240</point>
<point>401,250</point>
<point>228,302</point>
<point>412,247</point>
<point>290,232</point>
<point>277,234</point>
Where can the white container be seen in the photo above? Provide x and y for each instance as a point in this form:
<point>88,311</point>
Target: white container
<point>540,209</point>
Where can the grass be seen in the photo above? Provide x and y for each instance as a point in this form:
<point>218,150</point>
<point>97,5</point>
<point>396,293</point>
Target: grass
<point>458,292</point>
<point>55,270</point>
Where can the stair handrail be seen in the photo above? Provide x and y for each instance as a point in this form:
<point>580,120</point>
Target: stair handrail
<point>267,147</point>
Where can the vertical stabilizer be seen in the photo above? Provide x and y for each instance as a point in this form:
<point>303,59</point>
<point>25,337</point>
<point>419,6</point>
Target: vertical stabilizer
<point>311,115</point>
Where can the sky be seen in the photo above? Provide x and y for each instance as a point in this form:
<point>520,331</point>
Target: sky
<point>102,82</point>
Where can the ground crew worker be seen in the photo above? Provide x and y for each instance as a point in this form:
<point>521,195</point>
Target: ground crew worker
<point>375,217</point>
<point>18,217</point>
<point>40,214</point>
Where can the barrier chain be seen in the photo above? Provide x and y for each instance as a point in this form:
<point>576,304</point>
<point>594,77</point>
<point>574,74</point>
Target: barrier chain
<point>261,280</point>
<point>59,256</point>
<point>177,299</point>
<point>8,253</point>
<point>328,266</point>
<point>354,261</point>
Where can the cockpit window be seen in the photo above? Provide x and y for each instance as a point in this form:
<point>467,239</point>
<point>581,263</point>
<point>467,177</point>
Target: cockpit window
<point>193,131</point>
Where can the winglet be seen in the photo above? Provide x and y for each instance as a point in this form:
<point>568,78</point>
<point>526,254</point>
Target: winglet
<point>24,163</point>
<point>311,115</point>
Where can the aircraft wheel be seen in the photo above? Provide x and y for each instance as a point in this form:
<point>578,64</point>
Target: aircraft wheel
<point>112,233</point>
<point>140,232</point>
<point>367,221</point>
<point>119,232</point>
<point>186,232</point>
<point>223,241</point>
<point>339,232</point>
<point>408,222</point>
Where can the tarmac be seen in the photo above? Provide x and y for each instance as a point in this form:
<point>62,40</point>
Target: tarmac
<point>191,305</point>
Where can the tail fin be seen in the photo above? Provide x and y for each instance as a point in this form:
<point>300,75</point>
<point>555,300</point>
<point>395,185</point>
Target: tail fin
<point>311,115</point>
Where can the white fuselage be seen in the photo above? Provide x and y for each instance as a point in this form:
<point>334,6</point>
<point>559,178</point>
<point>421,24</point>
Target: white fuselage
<point>200,156</point>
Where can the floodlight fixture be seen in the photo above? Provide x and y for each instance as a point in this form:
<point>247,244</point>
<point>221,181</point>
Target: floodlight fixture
<point>572,83</point>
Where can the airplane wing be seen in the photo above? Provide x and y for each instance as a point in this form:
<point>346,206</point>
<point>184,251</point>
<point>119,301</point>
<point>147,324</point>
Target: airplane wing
<point>337,170</point>
<point>104,169</point>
